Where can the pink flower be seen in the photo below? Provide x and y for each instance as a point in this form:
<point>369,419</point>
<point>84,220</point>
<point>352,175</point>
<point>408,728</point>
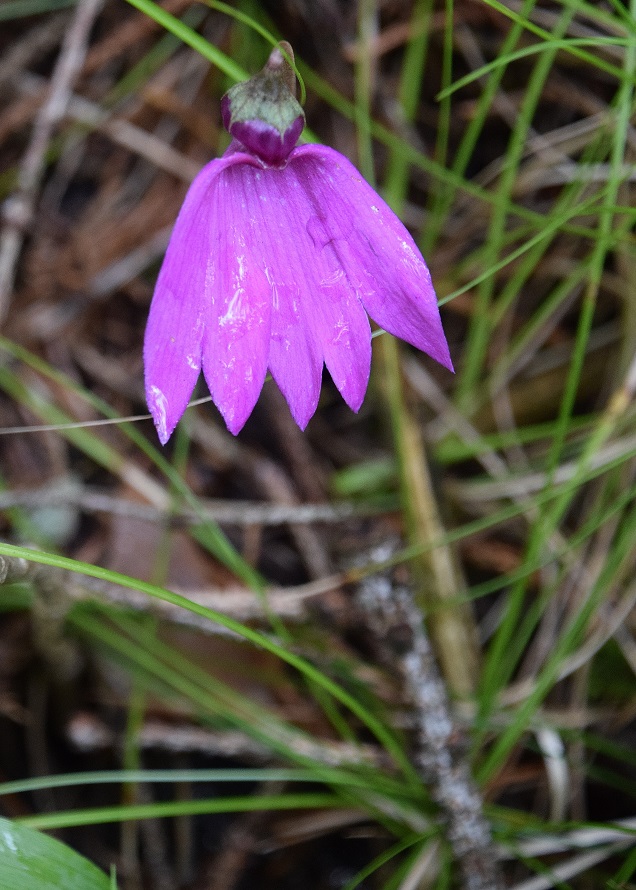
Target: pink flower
<point>277,258</point>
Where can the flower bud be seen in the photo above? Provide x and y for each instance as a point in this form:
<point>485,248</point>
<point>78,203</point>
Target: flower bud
<point>263,114</point>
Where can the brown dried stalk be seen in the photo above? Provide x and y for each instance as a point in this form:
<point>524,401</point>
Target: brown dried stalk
<point>390,612</point>
<point>19,209</point>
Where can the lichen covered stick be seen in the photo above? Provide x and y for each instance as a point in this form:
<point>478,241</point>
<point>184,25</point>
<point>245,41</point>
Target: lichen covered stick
<point>279,256</point>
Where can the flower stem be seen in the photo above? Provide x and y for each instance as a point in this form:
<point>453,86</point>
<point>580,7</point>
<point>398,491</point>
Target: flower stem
<point>450,622</point>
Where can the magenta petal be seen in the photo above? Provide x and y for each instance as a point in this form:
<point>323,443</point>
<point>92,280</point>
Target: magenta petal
<point>340,322</point>
<point>268,217</point>
<point>294,358</point>
<point>378,255</point>
<point>316,313</point>
<point>237,338</point>
<point>172,342</point>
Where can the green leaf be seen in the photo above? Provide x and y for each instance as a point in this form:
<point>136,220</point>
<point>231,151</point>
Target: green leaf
<point>33,861</point>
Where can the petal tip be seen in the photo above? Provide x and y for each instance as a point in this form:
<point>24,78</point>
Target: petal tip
<point>234,426</point>
<point>159,410</point>
<point>302,405</point>
<point>302,419</point>
<point>443,356</point>
<point>444,359</point>
<point>234,410</point>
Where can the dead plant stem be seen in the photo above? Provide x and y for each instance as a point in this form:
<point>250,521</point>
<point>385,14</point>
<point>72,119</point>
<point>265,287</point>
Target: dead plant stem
<point>20,207</point>
<point>391,613</point>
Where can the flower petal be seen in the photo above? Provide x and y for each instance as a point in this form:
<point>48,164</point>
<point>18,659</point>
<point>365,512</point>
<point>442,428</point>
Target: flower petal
<point>267,216</point>
<point>316,314</point>
<point>338,317</point>
<point>376,251</point>
<point>237,339</point>
<point>172,342</point>
<point>294,358</point>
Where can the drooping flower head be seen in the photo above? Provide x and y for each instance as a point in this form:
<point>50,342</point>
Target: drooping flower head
<point>278,257</point>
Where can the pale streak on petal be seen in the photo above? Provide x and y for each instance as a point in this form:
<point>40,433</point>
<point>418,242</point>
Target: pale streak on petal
<point>158,405</point>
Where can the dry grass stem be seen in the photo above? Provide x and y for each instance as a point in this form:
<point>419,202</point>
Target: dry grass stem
<point>19,210</point>
<point>451,623</point>
<point>396,622</point>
